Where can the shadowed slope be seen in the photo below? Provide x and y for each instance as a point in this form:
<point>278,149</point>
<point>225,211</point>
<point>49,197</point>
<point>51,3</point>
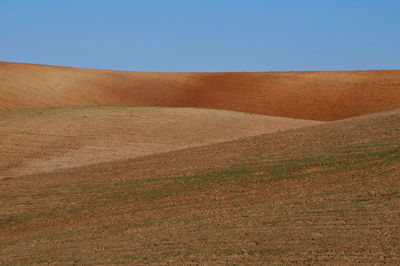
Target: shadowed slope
<point>40,140</point>
<point>306,95</point>
<point>327,194</point>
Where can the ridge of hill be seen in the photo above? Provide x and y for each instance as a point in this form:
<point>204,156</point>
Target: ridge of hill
<point>320,96</point>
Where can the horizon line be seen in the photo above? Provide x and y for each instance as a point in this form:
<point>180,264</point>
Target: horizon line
<point>200,72</point>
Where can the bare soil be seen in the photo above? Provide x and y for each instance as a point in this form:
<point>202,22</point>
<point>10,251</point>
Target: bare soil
<point>307,95</point>
<point>41,140</point>
<point>327,194</point>
<point>106,185</point>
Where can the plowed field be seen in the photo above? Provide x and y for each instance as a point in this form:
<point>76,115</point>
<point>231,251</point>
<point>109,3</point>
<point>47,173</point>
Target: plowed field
<point>327,194</point>
<point>308,172</point>
<point>306,95</point>
<point>41,140</point>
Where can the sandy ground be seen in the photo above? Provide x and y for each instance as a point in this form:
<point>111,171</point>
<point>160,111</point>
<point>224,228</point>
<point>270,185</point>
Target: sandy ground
<point>305,95</point>
<point>38,140</point>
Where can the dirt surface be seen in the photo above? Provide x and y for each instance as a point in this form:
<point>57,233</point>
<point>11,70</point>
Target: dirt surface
<point>109,185</point>
<point>307,95</point>
<point>327,194</point>
<point>40,140</point>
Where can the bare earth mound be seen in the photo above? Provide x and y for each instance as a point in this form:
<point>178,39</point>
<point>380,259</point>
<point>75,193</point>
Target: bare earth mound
<point>305,95</point>
<point>39,140</point>
<point>327,194</point>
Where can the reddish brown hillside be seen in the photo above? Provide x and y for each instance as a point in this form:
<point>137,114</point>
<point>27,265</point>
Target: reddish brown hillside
<point>307,95</point>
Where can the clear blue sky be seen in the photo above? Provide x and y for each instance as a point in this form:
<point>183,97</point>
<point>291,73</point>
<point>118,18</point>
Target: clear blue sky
<point>203,35</point>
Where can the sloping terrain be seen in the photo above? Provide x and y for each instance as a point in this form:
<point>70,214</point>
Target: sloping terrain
<point>306,95</point>
<point>40,140</point>
<point>316,195</point>
<point>114,183</point>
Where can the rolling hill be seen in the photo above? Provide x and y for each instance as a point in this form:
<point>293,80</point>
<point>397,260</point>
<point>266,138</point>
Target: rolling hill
<point>107,167</point>
<point>47,139</point>
<point>320,96</point>
<point>322,194</point>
